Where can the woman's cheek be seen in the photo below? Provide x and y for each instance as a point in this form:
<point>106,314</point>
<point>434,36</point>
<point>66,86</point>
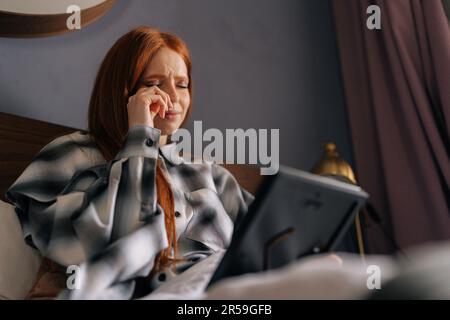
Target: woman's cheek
<point>185,105</point>
<point>186,102</point>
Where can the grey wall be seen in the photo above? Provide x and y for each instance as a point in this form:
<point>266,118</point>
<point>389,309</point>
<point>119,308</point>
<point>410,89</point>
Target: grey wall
<point>257,64</point>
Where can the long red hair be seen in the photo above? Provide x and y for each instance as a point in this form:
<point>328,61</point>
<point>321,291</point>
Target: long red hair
<point>119,78</point>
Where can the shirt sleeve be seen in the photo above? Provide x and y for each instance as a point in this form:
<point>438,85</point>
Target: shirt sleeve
<point>235,199</point>
<point>73,212</point>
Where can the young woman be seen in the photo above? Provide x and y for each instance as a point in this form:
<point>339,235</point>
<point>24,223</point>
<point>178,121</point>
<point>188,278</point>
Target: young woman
<point>116,200</point>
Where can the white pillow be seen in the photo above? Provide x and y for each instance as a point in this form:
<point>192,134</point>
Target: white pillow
<point>19,263</point>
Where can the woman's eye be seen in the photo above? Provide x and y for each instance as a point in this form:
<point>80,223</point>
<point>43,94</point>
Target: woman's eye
<point>153,84</point>
<point>182,86</point>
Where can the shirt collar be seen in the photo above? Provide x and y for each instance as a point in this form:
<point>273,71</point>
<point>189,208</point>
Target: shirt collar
<point>170,153</point>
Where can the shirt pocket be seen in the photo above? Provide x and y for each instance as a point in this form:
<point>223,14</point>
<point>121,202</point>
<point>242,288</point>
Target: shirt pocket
<point>210,223</point>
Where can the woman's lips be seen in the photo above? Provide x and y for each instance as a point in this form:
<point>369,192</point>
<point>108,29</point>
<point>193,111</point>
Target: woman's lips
<point>171,115</point>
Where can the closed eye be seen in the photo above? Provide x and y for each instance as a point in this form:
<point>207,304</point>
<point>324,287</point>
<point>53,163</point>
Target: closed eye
<point>160,84</point>
<point>153,84</point>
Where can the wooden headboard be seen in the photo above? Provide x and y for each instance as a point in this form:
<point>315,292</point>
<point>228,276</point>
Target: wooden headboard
<point>22,138</point>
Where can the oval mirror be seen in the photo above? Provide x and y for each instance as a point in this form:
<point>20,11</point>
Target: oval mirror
<point>39,18</point>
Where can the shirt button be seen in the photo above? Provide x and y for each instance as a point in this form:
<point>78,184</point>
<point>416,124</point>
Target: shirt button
<point>162,277</point>
<point>177,214</point>
<point>149,142</point>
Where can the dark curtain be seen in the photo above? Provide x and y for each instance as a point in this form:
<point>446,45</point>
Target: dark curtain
<point>397,88</point>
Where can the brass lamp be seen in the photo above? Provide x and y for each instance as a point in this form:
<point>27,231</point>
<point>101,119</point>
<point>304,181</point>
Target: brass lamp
<point>332,165</point>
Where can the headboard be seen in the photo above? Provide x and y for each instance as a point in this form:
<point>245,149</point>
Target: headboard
<point>22,138</point>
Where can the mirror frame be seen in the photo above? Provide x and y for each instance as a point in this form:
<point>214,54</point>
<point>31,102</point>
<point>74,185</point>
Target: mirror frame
<point>19,25</point>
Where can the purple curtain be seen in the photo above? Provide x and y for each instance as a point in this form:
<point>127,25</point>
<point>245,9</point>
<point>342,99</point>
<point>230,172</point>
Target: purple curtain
<point>397,87</point>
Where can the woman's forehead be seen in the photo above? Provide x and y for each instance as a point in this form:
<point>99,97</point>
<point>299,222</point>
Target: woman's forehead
<point>166,62</point>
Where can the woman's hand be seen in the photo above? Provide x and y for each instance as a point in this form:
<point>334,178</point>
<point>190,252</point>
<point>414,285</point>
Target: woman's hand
<point>333,258</point>
<point>325,258</point>
<point>146,104</point>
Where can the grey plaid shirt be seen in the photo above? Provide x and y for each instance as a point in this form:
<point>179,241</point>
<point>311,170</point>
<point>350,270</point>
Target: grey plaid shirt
<point>78,209</point>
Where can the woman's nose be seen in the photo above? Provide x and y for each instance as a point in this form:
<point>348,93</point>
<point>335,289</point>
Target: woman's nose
<point>172,92</point>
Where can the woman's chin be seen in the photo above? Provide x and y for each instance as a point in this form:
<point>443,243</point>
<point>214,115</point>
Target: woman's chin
<point>166,129</point>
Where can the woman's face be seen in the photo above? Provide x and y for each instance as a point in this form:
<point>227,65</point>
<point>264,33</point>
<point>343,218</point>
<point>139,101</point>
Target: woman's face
<point>168,71</point>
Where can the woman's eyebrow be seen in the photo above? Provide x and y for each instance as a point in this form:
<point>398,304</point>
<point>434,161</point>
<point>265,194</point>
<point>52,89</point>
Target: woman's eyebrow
<point>159,76</point>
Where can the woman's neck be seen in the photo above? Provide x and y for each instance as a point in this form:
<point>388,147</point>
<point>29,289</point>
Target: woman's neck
<point>162,140</point>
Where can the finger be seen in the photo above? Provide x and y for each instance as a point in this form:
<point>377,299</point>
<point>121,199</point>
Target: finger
<point>153,105</point>
<point>166,101</point>
<point>154,98</point>
<point>163,108</point>
<point>335,258</point>
<point>140,91</point>
<point>166,98</point>
<point>171,106</point>
<point>158,91</point>
<point>154,90</point>
<point>158,105</point>
<point>169,101</point>
<point>148,91</point>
